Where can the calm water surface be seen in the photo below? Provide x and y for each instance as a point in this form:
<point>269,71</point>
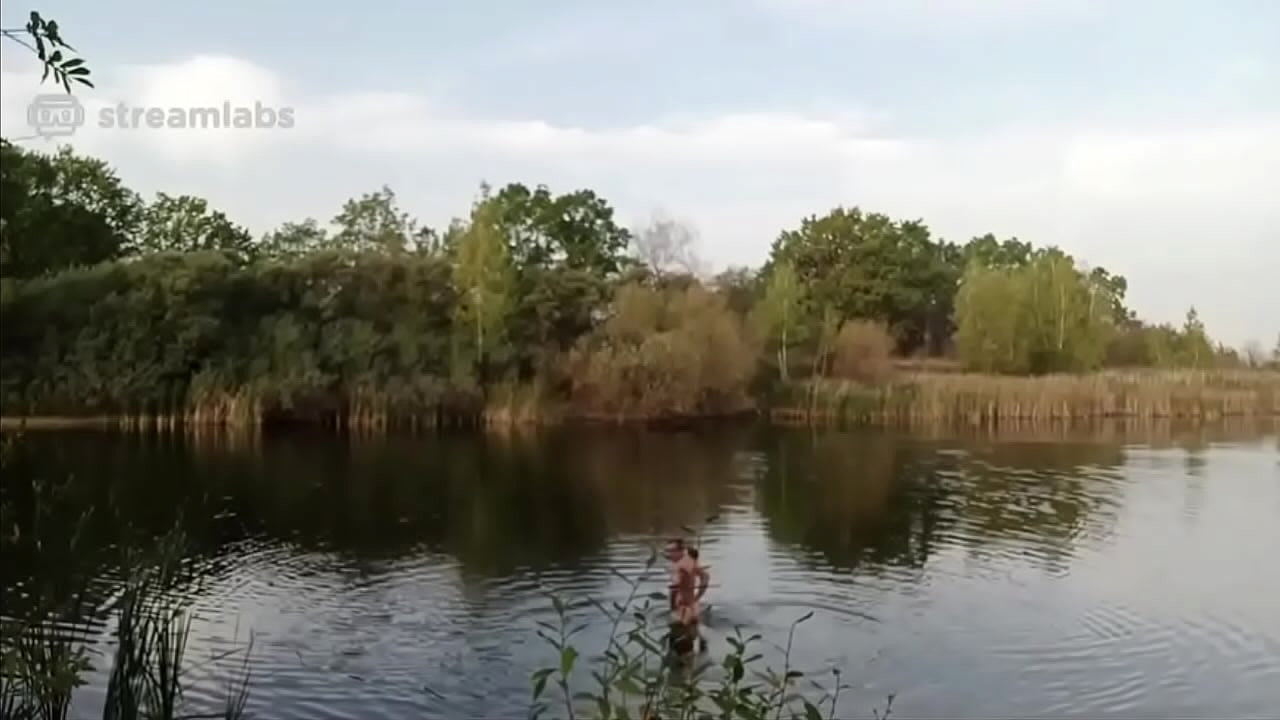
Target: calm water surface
<point>1084,574</point>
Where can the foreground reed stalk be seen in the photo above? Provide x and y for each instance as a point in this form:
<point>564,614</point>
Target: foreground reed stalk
<point>43,651</point>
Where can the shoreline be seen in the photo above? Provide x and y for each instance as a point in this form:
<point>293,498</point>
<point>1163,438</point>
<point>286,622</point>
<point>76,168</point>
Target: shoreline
<point>910,399</point>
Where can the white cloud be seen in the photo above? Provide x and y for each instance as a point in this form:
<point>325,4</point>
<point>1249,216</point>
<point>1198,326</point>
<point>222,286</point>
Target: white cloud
<point>945,16</point>
<point>1188,215</point>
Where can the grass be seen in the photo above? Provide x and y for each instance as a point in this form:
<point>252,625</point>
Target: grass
<point>43,646</point>
<point>988,400</point>
<point>908,397</point>
<point>45,657</point>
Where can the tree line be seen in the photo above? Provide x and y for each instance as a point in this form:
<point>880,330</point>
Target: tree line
<point>114,303</point>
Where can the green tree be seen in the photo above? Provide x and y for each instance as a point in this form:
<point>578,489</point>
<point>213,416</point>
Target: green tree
<point>575,230</point>
<point>483,276</point>
<point>564,251</point>
<point>552,309</point>
<point>740,287</point>
<point>61,210</point>
<point>987,251</point>
<point>1044,316</point>
<point>185,223</point>
<point>990,321</point>
<point>1195,349</point>
<point>780,314</point>
<point>292,240</point>
<point>1112,289</point>
<point>869,266</point>
<point>374,221</point>
<point>1070,317</point>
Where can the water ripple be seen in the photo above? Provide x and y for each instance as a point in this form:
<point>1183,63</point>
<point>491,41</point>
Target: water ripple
<point>1081,580</point>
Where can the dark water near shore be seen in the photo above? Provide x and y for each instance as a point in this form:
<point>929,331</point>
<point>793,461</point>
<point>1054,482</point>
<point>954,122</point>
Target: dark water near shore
<point>1087,574</point>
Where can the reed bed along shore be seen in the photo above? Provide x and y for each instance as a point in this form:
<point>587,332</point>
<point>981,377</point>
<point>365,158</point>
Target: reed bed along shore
<point>970,399</point>
<point>909,398</point>
<point>246,410</point>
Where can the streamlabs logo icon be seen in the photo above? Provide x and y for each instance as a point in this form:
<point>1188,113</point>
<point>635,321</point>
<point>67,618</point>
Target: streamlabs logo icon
<point>55,115</point>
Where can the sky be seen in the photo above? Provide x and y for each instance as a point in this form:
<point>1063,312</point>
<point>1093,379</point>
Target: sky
<point>1139,135</point>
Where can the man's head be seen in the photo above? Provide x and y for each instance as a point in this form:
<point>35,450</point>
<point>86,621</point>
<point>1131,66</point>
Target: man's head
<point>675,549</point>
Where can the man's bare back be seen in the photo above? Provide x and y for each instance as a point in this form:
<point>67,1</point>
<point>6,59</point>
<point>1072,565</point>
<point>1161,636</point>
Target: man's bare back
<point>686,591</point>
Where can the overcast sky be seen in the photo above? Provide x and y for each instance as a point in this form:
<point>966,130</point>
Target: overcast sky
<point>1141,135</point>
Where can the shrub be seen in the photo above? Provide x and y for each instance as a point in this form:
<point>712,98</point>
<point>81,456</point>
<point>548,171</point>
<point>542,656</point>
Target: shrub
<point>664,352</point>
<point>863,352</point>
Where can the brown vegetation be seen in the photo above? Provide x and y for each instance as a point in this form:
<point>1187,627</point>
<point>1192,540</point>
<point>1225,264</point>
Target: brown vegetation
<point>863,352</point>
<point>664,352</point>
<point>989,399</point>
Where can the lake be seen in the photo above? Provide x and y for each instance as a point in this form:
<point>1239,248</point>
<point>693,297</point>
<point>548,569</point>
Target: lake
<point>1117,572</point>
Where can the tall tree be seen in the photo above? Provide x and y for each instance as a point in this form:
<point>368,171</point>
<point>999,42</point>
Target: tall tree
<point>665,246</point>
<point>865,265</point>
<point>1071,316</point>
<point>1196,350</point>
<point>375,222</point>
<point>986,250</point>
<point>294,239</point>
<point>780,314</point>
<point>61,210</point>
<point>483,276</point>
<point>1043,316</point>
<point>575,230</point>
<point>185,223</point>
<point>990,320</point>
<point>740,287</point>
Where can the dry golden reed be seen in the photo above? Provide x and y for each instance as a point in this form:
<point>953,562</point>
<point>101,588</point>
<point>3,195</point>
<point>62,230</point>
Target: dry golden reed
<point>991,399</point>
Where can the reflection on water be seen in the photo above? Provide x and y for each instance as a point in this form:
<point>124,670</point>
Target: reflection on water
<point>1119,570</point>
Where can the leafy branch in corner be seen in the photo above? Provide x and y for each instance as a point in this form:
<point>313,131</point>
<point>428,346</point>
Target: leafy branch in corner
<point>45,36</point>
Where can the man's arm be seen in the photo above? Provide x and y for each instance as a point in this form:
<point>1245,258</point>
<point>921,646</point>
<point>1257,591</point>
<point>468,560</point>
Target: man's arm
<point>705,577</point>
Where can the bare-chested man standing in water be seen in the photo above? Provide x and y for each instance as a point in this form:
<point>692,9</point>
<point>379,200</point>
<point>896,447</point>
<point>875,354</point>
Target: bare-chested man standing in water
<point>685,596</point>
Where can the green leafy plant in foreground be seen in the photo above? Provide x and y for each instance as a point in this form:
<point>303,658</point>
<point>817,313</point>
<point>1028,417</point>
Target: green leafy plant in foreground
<point>44,34</point>
<point>43,648</point>
<point>635,676</point>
